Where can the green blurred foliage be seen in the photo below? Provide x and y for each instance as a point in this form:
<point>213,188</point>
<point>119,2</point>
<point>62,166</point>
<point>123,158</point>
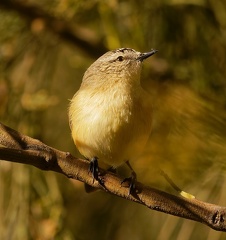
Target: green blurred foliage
<point>39,73</point>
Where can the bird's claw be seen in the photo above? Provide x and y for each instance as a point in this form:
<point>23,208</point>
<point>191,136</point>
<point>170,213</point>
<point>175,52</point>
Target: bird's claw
<point>132,182</point>
<point>94,169</point>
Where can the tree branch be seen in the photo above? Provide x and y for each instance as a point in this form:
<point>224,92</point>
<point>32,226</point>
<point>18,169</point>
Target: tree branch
<point>60,27</point>
<point>23,149</point>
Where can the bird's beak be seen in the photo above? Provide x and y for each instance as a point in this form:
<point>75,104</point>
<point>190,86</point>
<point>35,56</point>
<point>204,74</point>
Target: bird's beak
<point>146,55</point>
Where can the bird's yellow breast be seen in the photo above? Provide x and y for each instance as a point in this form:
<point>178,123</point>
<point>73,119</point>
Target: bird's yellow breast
<point>113,125</point>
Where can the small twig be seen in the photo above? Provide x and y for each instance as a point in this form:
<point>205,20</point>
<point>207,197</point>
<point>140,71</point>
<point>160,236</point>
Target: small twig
<point>23,149</point>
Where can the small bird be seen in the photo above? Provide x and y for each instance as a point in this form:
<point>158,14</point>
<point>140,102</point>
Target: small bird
<point>110,116</point>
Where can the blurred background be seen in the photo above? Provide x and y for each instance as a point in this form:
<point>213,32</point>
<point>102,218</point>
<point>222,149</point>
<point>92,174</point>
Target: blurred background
<point>46,46</point>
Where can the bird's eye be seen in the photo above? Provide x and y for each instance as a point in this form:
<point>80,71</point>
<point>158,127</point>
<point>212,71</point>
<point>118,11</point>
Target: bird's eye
<point>120,58</point>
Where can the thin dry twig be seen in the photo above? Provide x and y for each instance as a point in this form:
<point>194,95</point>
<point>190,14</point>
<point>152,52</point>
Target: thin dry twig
<point>23,149</point>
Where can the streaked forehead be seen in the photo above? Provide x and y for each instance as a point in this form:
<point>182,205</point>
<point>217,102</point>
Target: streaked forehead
<point>108,56</point>
<point>124,50</point>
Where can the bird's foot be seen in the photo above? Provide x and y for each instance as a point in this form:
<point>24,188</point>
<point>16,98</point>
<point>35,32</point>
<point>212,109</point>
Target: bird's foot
<point>94,169</point>
<point>132,182</point>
